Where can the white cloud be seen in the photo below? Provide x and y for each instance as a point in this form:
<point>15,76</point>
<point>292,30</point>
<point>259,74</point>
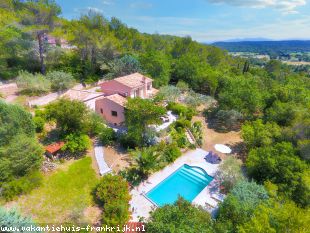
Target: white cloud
<point>95,9</point>
<point>279,30</point>
<point>286,6</point>
<point>107,2</point>
<point>198,28</point>
<point>87,9</point>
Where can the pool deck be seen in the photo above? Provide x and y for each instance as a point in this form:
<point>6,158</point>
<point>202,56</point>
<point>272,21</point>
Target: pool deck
<point>141,206</point>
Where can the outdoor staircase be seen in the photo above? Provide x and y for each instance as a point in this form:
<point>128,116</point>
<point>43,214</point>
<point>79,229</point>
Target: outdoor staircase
<point>190,137</point>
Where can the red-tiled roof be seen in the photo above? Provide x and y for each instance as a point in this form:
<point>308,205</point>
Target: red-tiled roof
<point>52,148</point>
<point>120,100</point>
<point>133,80</point>
<point>135,227</point>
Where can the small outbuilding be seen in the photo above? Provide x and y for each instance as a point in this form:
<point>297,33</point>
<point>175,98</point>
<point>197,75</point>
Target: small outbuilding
<point>52,151</point>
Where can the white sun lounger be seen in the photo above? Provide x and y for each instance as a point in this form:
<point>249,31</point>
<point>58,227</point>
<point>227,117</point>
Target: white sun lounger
<point>99,154</point>
<point>211,202</point>
<point>218,197</point>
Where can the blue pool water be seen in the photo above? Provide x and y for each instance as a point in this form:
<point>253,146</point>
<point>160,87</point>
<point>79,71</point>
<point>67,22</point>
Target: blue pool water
<point>186,182</point>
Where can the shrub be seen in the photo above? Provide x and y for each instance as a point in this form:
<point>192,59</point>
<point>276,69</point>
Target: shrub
<point>181,110</point>
<point>171,153</point>
<point>182,216</point>
<point>228,120</point>
<point>179,137</point>
<point>169,93</point>
<point>39,123</point>
<point>13,219</point>
<point>196,129</point>
<point>242,201</point>
<point>20,186</point>
<point>129,140</point>
<point>95,124</point>
<point>229,173</point>
<point>113,195</point>
<point>194,99</point>
<point>14,120</point>
<point>76,143</point>
<point>107,136</point>
<point>182,123</point>
<point>33,84</point>
<point>60,80</point>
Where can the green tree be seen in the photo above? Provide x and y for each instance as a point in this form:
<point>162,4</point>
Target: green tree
<point>113,195</point>
<point>180,217</point>
<point>14,120</point>
<point>258,134</point>
<point>125,65</point>
<point>242,201</point>
<point>107,136</point>
<point>157,65</point>
<point>243,95</point>
<point>283,113</point>
<point>60,80</point>
<point>24,155</point>
<point>275,217</point>
<point>146,160</point>
<point>274,67</point>
<point>139,114</point>
<point>281,166</point>
<point>229,172</point>
<point>71,116</point>
<point>12,219</point>
<point>39,18</point>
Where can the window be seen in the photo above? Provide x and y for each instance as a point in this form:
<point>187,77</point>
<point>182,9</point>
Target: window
<point>101,110</point>
<point>114,113</point>
<point>149,86</point>
<point>136,93</point>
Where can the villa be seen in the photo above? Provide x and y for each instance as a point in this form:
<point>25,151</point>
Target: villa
<point>112,105</point>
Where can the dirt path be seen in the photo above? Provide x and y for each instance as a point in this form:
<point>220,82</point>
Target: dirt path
<point>116,158</point>
<point>211,137</point>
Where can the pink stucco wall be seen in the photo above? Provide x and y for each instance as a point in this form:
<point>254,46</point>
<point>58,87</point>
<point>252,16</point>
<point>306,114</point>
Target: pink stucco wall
<point>114,87</point>
<point>104,107</point>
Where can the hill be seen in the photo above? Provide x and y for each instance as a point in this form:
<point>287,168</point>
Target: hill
<point>266,47</point>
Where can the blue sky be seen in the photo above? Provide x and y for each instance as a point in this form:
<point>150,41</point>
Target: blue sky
<point>205,20</point>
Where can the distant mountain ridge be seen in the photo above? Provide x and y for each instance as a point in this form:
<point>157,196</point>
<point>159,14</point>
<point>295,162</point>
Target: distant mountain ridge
<point>266,47</point>
<point>245,39</point>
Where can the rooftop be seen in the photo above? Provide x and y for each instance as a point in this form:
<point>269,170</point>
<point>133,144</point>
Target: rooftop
<point>117,99</point>
<point>52,148</point>
<point>133,80</point>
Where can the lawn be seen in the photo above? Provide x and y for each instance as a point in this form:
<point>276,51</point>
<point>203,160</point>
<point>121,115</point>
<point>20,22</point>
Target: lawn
<point>65,195</point>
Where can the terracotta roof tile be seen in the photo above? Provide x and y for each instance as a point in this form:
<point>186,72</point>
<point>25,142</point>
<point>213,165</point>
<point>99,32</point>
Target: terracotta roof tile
<point>133,80</point>
<point>52,148</point>
<point>120,100</point>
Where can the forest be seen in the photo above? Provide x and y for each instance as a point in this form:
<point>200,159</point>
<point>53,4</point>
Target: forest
<point>269,104</point>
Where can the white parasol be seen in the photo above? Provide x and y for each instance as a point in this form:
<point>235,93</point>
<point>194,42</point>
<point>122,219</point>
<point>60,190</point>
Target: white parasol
<point>222,148</point>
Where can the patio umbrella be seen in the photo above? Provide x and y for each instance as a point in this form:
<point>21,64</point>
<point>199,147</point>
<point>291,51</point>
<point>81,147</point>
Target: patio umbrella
<point>222,148</point>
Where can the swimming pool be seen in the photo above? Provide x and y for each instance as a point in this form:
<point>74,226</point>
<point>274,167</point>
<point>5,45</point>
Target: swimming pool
<point>186,182</point>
